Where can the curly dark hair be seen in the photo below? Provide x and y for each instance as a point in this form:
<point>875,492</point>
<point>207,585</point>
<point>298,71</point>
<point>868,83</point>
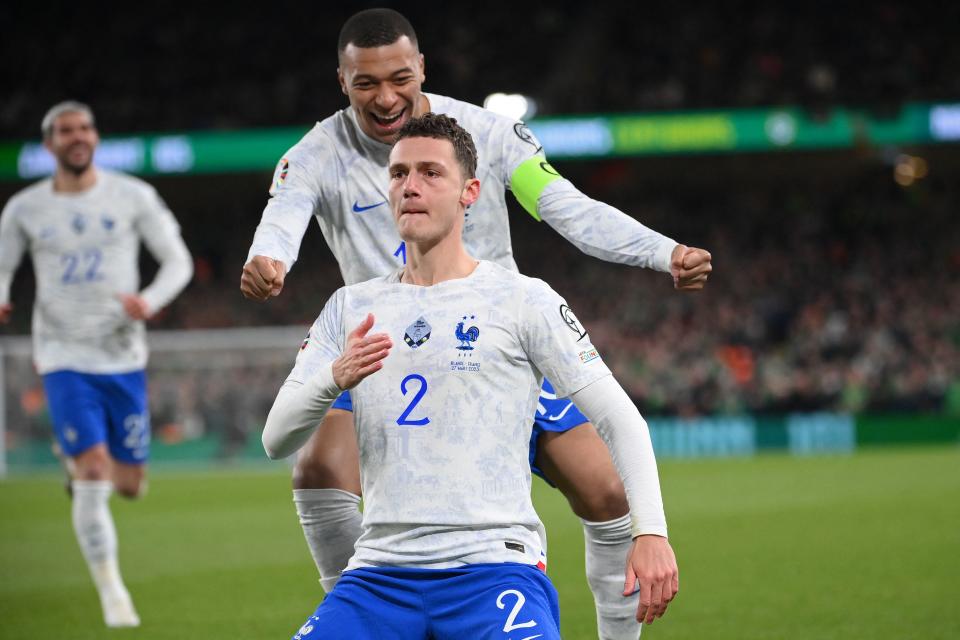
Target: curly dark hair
<point>441,127</point>
<point>374,28</point>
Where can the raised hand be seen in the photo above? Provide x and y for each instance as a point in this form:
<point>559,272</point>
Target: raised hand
<point>690,268</point>
<point>362,356</point>
<point>262,278</point>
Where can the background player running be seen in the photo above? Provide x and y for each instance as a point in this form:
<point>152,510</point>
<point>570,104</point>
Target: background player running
<point>83,229</point>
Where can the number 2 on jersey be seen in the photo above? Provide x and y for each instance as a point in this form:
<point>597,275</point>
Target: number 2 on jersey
<point>404,419</point>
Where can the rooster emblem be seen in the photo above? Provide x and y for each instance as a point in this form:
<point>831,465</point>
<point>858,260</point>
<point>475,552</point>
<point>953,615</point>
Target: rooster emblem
<point>468,336</point>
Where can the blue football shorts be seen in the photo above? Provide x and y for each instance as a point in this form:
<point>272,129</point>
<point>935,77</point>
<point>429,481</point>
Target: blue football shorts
<point>505,601</point>
<point>88,409</point>
<point>553,414</point>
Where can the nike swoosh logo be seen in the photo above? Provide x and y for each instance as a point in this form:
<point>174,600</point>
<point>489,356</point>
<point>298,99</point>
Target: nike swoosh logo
<point>539,635</point>
<point>358,209</point>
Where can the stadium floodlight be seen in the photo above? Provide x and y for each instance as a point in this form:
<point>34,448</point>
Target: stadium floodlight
<point>512,105</point>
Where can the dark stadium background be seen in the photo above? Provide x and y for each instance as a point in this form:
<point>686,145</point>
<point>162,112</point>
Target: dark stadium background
<point>835,292</point>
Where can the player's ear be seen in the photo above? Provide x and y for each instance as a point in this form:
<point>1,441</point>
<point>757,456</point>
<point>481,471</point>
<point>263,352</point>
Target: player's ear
<point>423,69</point>
<point>342,81</point>
<point>471,192</point>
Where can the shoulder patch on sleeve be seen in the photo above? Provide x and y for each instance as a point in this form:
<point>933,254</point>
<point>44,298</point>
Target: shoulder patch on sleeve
<point>279,175</point>
<point>523,132</point>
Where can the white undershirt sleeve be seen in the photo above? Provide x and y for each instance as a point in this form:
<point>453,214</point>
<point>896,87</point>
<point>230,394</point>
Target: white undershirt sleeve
<point>161,234</point>
<point>602,231</point>
<point>625,432</point>
<point>12,247</point>
<point>297,411</point>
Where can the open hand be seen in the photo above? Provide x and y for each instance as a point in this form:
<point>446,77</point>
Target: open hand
<point>653,565</point>
<point>362,356</point>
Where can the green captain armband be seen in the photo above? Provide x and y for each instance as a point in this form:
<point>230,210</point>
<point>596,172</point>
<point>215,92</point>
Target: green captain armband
<point>529,180</point>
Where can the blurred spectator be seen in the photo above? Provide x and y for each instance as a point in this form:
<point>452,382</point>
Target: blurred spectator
<point>843,294</point>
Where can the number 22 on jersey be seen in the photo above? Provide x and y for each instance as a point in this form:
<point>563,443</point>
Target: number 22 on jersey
<point>81,266</point>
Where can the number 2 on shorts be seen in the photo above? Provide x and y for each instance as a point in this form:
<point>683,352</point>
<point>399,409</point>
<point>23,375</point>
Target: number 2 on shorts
<point>511,623</point>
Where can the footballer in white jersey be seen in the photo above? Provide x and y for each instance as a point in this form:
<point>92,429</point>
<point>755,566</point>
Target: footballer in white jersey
<point>83,228</point>
<point>85,248</point>
<point>336,175</point>
<point>443,428</point>
<point>442,393</point>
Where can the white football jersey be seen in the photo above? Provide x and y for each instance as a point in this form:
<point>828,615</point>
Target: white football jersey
<point>339,175</point>
<point>444,427</point>
<point>85,249</point>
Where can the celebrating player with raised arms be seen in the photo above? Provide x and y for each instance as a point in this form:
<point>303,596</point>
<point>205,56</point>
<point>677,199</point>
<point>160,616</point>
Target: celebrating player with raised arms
<point>83,229</point>
<point>336,174</point>
<point>444,360</point>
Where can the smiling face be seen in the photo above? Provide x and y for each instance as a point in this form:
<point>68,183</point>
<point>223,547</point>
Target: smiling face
<point>72,141</point>
<point>383,85</point>
<point>428,193</point>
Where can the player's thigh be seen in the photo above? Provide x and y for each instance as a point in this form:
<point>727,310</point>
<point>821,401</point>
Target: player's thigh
<point>330,459</point>
<point>78,416</point>
<point>124,398</point>
<point>361,609</point>
<point>503,601</point>
<point>578,463</point>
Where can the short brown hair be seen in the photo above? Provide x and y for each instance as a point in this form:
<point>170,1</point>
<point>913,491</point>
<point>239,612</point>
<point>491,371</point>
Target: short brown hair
<point>441,127</point>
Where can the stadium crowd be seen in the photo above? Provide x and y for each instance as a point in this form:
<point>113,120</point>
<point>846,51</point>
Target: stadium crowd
<point>273,65</point>
<point>839,295</point>
<point>827,296</point>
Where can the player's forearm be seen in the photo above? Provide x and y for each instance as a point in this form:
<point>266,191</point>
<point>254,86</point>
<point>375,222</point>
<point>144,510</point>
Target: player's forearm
<point>603,231</point>
<point>176,269</point>
<point>297,411</point>
<point>282,228</point>
<point>625,432</point>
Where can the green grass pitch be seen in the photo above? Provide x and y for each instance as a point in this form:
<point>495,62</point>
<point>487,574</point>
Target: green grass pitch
<point>860,546</point>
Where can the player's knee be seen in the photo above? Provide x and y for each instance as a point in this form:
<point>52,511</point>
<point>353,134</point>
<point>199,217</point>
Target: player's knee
<point>130,488</point>
<point>91,465</point>
<point>604,500</point>
<point>131,492</point>
<point>130,485</point>
<point>311,472</point>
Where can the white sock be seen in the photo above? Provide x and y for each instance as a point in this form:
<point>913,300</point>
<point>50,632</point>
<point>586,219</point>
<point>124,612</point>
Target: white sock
<point>97,535</point>
<point>331,524</point>
<point>607,545</point>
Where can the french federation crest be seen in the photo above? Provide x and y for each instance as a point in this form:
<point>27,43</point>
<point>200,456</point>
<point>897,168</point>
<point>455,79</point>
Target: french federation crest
<point>466,336</point>
<point>417,333</point>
